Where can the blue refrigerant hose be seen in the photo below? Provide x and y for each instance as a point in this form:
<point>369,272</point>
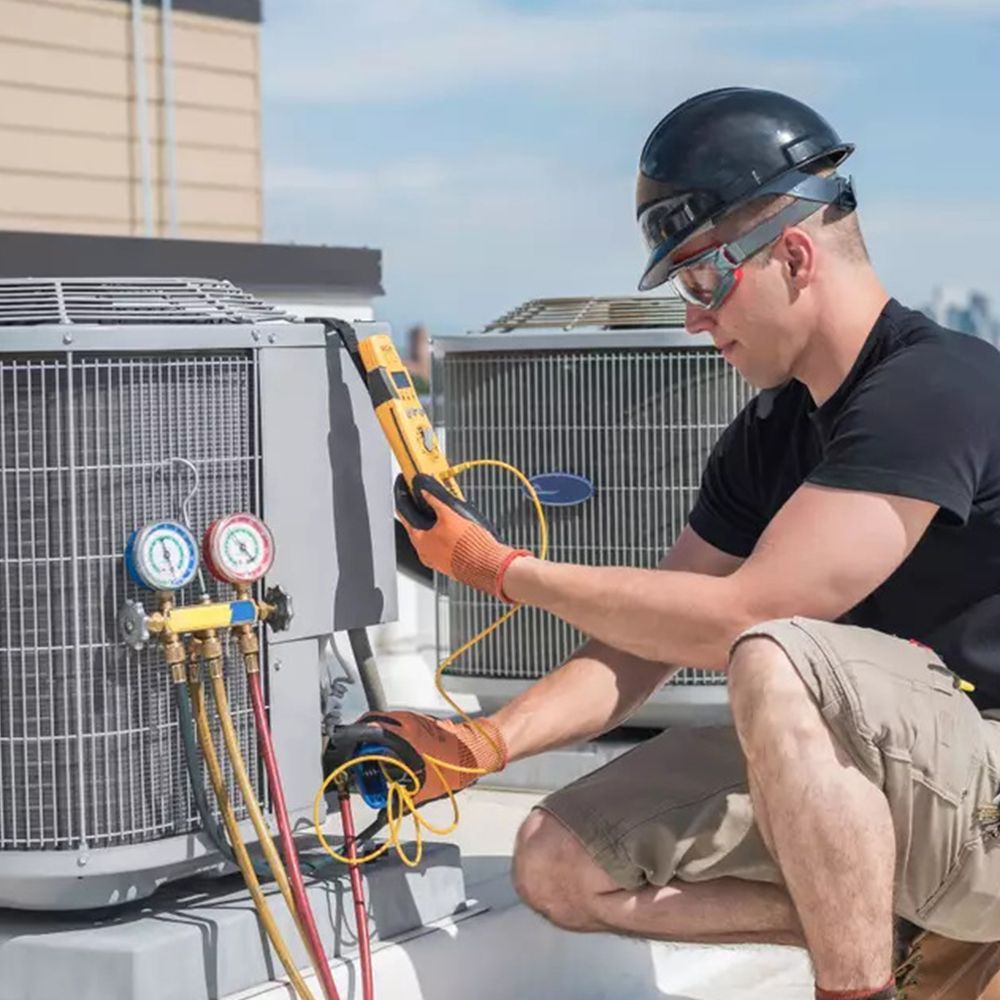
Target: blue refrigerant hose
<point>191,760</point>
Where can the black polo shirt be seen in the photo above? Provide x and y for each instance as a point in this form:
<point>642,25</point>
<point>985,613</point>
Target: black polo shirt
<point>918,415</point>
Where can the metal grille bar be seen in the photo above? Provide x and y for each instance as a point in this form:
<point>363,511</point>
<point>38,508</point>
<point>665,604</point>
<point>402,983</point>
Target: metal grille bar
<point>617,313</point>
<point>117,301</point>
<point>90,752</point>
<point>639,424</point>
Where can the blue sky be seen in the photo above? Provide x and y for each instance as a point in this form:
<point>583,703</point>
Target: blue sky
<point>489,147</point>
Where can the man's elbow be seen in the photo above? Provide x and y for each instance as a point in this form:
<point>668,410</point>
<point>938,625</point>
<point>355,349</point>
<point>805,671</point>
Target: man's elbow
<point>714,643</point>
<point>750,606</point>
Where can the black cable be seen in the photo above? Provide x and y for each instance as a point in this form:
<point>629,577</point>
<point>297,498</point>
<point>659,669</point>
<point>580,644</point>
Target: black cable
<point>368,669</point>
<point>407,561</point>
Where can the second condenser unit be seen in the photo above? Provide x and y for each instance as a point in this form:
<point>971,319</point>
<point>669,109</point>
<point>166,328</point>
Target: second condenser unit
<point>616,399</point>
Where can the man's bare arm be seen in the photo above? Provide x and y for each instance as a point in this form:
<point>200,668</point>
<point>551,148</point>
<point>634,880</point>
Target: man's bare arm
<point>820,555</point>
<point>598,686</point>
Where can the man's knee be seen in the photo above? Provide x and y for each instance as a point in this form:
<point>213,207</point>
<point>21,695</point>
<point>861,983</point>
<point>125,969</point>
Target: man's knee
<point>774,713</point>
<point>762,678</point>
<point>553,874</point>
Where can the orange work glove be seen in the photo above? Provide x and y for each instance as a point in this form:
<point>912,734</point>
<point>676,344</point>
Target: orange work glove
<point>461,744</point>
<point>452,537</point>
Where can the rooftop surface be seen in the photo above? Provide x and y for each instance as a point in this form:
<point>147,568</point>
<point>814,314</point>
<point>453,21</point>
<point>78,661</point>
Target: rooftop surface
<point>506,951</point>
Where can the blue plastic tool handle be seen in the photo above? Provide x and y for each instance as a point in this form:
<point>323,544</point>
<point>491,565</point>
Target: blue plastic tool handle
<point>368,776</point>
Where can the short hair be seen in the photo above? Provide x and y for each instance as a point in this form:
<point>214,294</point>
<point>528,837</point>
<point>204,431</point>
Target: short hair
<point>840,225</point>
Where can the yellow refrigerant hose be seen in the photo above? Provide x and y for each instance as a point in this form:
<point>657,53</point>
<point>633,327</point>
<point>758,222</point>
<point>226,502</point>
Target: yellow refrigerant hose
<point>231,741</point>
<point>243,860</point>
<point>400,799</point>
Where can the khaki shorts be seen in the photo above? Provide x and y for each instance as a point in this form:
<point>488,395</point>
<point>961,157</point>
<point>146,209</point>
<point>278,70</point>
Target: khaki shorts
<point>677,807</point>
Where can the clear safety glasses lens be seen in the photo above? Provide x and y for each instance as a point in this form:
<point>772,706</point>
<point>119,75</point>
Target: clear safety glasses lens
<point>706,279</point>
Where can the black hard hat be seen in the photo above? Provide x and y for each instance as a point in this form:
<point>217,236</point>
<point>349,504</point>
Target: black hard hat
<point>720,150</point>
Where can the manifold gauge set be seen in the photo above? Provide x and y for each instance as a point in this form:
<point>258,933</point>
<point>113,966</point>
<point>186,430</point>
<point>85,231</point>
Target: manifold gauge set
<point>164,557</point>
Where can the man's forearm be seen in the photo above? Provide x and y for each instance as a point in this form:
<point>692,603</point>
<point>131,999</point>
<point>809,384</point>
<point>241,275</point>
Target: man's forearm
<point>592,692</point>
<point>659,615</point>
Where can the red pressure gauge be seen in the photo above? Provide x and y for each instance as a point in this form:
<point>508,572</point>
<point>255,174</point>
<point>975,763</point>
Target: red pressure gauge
<point>238,549</point>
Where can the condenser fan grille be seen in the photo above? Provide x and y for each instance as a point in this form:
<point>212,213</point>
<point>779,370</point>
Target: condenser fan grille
<point>134,301</point>
<point>90,751</point>
<point>637,312</point>
<point>638,422</point>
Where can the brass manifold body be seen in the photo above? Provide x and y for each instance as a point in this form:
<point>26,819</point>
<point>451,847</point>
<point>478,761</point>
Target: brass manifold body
<point>242,614</point>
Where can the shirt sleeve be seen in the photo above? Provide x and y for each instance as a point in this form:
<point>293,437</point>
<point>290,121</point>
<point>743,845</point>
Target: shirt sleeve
<point>917,427</point>
<point>728,512</point>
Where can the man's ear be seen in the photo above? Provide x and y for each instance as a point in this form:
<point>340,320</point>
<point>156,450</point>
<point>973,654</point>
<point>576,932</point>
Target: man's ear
<point>798,253</point>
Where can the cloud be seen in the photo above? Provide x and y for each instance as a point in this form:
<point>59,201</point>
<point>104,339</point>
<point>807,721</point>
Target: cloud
<point>465,241</point>
<point>989,8</point>
<point>429,49</point>
<point>509,214</point>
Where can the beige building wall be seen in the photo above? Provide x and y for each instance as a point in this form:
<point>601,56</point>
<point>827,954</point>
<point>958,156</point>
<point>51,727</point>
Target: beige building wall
<point>70,154</point>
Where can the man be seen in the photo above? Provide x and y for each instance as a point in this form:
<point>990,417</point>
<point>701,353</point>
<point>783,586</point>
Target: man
<point>841,561</point>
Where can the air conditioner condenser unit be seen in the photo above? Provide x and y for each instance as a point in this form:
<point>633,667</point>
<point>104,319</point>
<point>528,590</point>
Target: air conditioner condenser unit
<point>104,384</point>
<point>614,395</point>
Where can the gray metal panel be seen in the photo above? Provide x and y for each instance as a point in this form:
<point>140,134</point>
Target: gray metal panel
<point>119,340</point>
<point>573,340</point>
<point>296,723</point>
<point>203,940</point>
<point>93,789</point>
<point>237,10</point>
<point>327,492</point>
<point>687,705</point>
<point>108,876</point>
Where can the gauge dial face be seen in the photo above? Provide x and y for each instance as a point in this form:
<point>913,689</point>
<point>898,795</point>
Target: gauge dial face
<point>164,555</point>
<point>240,548</point>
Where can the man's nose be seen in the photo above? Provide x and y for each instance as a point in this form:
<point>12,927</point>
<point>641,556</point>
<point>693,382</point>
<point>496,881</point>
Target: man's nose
<point>697,319</point>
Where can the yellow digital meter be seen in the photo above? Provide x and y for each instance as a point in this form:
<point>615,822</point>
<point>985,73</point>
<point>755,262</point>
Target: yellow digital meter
<point>404,421</point>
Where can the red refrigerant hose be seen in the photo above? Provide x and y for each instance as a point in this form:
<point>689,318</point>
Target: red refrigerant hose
<point>358,892</point>
<point>287,843</point>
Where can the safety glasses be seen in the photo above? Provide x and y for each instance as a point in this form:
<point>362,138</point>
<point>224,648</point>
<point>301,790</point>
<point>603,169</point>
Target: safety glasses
<point>710,276</point>
<point>707,278</point>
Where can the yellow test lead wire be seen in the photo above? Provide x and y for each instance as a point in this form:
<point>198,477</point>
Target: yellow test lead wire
<point>397,792</point>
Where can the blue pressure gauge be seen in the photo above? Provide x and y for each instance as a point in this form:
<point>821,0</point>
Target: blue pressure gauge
<point>162,555</point>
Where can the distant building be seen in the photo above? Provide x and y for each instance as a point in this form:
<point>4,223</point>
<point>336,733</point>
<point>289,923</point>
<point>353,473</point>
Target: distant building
<point>966,310</point>
<point>130,148</point>
<point>418,357</point>
<point>131,118</point>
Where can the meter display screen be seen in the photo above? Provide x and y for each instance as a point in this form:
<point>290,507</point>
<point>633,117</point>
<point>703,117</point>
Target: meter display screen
<point>401,379</point>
